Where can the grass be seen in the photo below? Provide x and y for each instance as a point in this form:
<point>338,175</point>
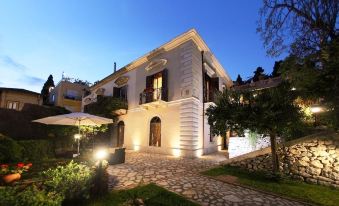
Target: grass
<point>151,194</point>
<point>316,194</point>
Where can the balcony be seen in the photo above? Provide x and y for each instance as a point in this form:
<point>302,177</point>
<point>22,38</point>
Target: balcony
<point>153,98</point>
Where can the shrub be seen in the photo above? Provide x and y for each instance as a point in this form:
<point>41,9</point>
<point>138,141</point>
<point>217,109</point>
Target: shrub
<point>10,150</point>
<point>29,196</point>
<point>73,181</point>
<point>36,150</point>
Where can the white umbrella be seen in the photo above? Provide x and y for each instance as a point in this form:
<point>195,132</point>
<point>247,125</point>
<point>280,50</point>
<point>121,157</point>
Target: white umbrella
<point>75,119</point>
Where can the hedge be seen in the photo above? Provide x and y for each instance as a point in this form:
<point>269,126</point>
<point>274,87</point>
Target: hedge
<point>25,150</point>
<point>36,150</point>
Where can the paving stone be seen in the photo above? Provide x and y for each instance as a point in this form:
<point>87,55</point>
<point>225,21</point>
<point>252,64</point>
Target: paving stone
<point>181,175</point>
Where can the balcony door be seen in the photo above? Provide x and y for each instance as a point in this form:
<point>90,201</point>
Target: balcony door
<point>155,132</point>
<point>157,85</point>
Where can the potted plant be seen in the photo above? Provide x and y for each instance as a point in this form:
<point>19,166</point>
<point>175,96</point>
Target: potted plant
<point>11,173</point>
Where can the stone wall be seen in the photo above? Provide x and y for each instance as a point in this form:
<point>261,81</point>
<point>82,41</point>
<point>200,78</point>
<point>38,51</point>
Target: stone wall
<point>313,159</point>
<point>242,145</point>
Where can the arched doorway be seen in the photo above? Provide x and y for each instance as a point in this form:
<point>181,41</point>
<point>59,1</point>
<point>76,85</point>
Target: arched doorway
<point>121,131</point>
<point>155,132</point>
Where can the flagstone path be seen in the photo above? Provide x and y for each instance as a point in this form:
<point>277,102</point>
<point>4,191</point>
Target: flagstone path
<point>181,175</point>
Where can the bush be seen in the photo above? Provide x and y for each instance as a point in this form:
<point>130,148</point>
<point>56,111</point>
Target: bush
<point>73,181</point>
<point>29,196</point>
<point>36,150</point>
<point>10,150</point>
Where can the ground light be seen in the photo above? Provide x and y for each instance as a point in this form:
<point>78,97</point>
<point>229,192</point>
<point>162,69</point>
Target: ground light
<point>315,109</point>
<point>100,181</point>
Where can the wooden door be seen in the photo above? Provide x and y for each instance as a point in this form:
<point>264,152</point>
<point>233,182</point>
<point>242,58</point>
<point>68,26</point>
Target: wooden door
<point>155,132</point>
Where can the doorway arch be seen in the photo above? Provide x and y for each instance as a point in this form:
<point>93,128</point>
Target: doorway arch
<point>155,132</point>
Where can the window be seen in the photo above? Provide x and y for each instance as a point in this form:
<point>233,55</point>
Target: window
<point>72,94</point>
<point>155,132</point>
<point>120,92</point>
<point>12,105</point>
<point>157,85</point>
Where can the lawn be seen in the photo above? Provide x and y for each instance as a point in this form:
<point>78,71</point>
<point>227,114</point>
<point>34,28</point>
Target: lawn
<point>151,194</point>
<point>315,194</point>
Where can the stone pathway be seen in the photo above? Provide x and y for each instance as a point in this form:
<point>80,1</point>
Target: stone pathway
<point>181,175</point>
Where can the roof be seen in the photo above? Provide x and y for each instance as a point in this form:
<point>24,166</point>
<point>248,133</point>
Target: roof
<point>18,90</point>
<point>191,34</point>
<point>261,84</point>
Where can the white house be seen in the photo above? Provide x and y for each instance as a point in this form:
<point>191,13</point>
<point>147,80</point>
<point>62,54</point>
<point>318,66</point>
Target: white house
<point>167,91</point>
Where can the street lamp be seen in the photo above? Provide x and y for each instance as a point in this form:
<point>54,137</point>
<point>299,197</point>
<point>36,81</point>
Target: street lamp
<point>77,137</point>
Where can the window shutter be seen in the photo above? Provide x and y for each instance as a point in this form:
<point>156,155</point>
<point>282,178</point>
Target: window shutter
<point>164,90</point>
<point>215,84</point>
<point>214,87</point>
<point>149,81</point>
<point>116,92</point>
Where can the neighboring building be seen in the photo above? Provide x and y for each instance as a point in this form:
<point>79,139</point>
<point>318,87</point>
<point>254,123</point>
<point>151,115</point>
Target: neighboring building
<point>261,84</point>
<point>168,91</point>
<point>14,98</point>
<point>68,95</point>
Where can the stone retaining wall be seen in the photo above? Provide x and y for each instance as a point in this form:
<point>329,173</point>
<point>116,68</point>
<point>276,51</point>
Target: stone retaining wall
<point>313,159</point>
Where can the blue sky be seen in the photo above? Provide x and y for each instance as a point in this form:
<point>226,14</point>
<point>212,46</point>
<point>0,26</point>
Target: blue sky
<point>84,38</point>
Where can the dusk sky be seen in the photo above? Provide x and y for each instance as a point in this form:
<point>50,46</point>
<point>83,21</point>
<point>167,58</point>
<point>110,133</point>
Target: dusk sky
<point>84,38</point>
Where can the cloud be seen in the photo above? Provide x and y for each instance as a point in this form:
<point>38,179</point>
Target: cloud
<point>31,80</point>
<point>10,62</point>
<point>1,83</point>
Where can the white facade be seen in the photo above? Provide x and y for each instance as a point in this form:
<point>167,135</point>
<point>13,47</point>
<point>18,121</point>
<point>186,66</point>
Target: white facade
<point>181,114</point>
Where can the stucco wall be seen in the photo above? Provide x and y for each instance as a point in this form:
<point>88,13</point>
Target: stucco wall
<point>313,159</point>
<point>182,115</point>
<point>20,97</point>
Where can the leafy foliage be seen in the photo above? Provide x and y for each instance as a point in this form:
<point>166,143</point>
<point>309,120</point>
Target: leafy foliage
<point>259,74</point>
<point>73,180</point>
<point>269,111</point>
<point>303,26</point>
<point>46,89</point>
<point>239,80</point>
<point>29,196</point>
<point>317,80</point>
<point>105,106</point>
<point>37,150</point>
<point>10,150</point>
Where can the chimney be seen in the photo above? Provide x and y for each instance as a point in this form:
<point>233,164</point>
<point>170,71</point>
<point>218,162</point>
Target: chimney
<point>115,67</point>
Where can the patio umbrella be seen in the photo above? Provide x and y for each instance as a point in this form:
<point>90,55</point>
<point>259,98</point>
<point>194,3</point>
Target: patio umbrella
<point>75,119</point>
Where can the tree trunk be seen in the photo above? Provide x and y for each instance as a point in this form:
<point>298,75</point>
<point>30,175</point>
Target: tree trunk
<point>275,161</point>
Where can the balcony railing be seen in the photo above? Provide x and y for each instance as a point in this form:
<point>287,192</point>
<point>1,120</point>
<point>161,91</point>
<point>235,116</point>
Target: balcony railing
<point>152,95</point>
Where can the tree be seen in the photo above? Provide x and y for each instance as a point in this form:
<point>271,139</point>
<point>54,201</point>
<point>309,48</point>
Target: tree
<point>258,74</point>
<point>276,69</point>
<point>303,26</point>
<point>82,82</point>
<point>270,111</point>
<point>239,80</point>
<point>46,90</point>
